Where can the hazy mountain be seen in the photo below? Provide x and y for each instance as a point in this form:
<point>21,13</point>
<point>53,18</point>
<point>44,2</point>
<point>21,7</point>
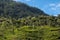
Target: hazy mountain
<point>9,8</point>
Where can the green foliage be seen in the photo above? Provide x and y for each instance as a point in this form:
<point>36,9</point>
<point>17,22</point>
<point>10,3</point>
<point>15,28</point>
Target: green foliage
<point>29,33</point>
<point>30,28</point>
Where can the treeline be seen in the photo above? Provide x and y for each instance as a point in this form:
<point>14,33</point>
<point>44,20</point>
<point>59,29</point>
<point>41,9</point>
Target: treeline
<point>34,21</point>
<point>38,21</point>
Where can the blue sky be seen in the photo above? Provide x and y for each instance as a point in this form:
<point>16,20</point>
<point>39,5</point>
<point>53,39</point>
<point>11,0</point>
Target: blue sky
<point>51,7</point>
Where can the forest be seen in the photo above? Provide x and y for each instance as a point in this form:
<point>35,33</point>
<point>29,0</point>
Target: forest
<point>17,23</point>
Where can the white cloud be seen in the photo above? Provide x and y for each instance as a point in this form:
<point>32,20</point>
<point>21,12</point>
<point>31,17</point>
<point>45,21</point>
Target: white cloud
<point>16,0</point>
<point>58,5</point>
<point>56,15</point>
<point>54,6</point>
<point>23,0</point>
<point>28,0</point>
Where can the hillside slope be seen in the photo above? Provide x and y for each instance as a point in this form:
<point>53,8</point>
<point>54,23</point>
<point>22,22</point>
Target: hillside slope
<point>9,8</point>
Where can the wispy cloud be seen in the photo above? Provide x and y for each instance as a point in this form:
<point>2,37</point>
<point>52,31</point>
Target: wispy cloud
<point>28,0</point>
<point>54,6</point>
<point>58,5</point>
<point>16,0</point>
<point>23,0</point>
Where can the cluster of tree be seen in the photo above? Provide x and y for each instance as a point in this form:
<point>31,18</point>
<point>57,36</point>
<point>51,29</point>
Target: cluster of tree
<point>38,21</point>
<point>30,28</point>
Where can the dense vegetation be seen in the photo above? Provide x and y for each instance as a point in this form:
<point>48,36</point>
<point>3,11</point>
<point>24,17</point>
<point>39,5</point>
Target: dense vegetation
<point>19,21</point>
<point>30,28</point>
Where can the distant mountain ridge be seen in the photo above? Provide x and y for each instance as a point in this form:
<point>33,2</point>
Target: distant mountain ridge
<point>10,8</point>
